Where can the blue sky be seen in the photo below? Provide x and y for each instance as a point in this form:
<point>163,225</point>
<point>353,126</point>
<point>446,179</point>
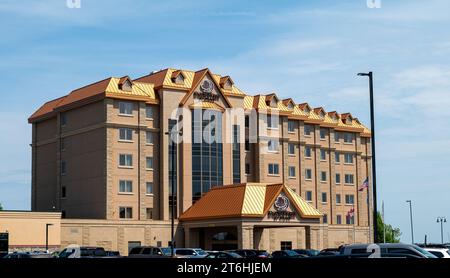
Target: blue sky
<point>307,50</point>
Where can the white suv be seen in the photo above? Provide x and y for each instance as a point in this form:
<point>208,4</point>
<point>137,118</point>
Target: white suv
<point>439,252</point>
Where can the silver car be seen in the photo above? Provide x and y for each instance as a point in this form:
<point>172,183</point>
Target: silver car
<point>382,249</point>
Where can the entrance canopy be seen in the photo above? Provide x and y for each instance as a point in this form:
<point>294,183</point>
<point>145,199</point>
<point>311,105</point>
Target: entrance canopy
<point>250,200</point>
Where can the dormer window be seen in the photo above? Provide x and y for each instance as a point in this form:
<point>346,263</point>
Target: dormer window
<point>177,77</point>
<point>348,121</point>
<point>226,83</point>
<point>125,84</point>
<point>305,108</point>
<point>273,102</point>
<point>289,103</point>
<point>320,112</point>
<point>290,106</point>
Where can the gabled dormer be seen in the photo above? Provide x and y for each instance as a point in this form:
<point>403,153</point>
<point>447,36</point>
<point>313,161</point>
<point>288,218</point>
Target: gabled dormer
<point>320,112</point>
<point>272,100</point>
<point>305,108</point>
<point>178,77</point>
<point>334,116</point>
<point>125,84</point>
<point>289,103</point>
<point>347,118</point>
<point>226,83</point>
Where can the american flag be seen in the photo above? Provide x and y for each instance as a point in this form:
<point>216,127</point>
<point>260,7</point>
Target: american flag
<point>365,184</point>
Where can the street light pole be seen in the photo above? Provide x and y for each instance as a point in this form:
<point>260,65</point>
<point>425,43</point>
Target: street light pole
<point>172,134</point>
<point>46,236</point>
<point>411,217</point>
<point>374,171</point>
<point>443,220</point>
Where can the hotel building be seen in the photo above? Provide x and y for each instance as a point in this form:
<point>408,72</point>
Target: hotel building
<point>251,170</point>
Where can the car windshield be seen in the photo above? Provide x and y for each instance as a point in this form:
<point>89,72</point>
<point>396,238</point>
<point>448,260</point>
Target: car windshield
<point>201,252</point>
<point>424,252</point>
<point>166,251</point>
<point>291,253</point>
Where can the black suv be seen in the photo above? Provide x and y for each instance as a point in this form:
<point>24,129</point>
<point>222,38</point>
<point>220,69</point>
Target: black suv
<point>149,252</point>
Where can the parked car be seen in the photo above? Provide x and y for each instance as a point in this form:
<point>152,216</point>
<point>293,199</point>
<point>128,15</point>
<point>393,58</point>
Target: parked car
<point>149,252</point>
<point>307,252</point>
<point>329,252</point>
<point>284,254</point>
<point>245,253</point>
<point>439,252</point>
<point>27,255</point>
<point>366,255</point>
<point>387,248</point>
<point>76,251</point>
<point>113,254</point>
<point>262,254</point>
<point>190,253</point>
<point>223,255</point>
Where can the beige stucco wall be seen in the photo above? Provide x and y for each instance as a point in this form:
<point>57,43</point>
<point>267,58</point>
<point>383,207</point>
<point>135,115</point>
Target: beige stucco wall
<point>27,230</point>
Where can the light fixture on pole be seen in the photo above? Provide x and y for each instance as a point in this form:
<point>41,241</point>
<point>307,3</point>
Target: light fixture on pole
<point>173,133</point>
<point>411,218</point>
<point>442,220</point>
<point>374,172</point>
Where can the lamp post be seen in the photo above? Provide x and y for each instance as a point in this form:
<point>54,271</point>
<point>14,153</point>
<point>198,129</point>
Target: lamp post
<point>46,236</point>
<point>374,172</point>
<point>172,135</point>
<point>442,220</point>
<point>411,218</point>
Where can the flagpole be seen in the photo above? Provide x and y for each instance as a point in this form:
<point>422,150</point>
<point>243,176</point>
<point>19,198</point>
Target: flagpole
<point>354,228</point>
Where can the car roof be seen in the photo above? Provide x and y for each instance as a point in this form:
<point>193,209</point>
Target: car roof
<point>436,249</point>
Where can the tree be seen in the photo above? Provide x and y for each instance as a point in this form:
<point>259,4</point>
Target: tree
<point>1,207</point>
<point>392,234</point>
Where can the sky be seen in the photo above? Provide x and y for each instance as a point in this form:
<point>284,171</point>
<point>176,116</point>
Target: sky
<point>310,51</point>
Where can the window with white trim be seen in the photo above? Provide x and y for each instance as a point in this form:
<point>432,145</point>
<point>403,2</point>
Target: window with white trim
<point>338,199</point>
<point>348,158</point>
<point>292,171</point>
<point>125,108</point>
<point>323,154</point>
<point>125,134</point>
<point>149,137</point>
<point>308,174</point>
<point>323,176</point>
<point>307,130</point>
<point>308,196</point>
<point>337,157</point>
<point>273,169</point>
<point>149,162</point>
<point>291,126</point>
<point>272,145</point>
<point>349,199</point>
<point>338,178</point>
<point>349,179</point>
<point>125,212</point>
<point>291,148</point>
<point>308,151</point>
<point>125,160</point>
<point>149,113</point>
<point>125,186</point>
<point>149,187</point>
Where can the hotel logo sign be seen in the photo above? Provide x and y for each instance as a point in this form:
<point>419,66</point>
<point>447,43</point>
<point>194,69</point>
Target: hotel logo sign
<point>281,212</point>
<point>206,93</point>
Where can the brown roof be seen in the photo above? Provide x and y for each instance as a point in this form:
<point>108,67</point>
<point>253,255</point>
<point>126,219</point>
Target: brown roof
<point>224,79</point>
<point>346,115</point>
<point>157,78</point>
<point>47,108</point>
<point>86,92</point>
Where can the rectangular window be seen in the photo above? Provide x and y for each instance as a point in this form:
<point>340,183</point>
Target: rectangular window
<point>337,157</point>
<point>307,130</point>
<point>291,149</point>
<point>149,162</point>
<point>339,219</point>
<point>63,119</point>
<point>308,151</point>
<point>63,192</point>
<point>63,168</point>
<point>291,126</point>
<point>349,199</point>
<point>323,154</point>
<point>323,133</point>
<point>149,187</point>
<point>125,108</point>
<point>348,158</point>
<point>325,218</point>
<point>125,186</point>
<point>272,122</point>
<point>338,178</point>
<point>274,169</point>
<point>286,245</point>
<point>309,196</point>
<point>125,212</point>
<point>125,134</point>
<point>323,176</point>
<point>126,160</point>
<point>247,145</point>
<point>149,137</point>
<point>148,112</point>
<point>338,199</point>
<point>63,144</point>
<point>324,197</point>
<point>348,137</point>
<point>272,145</point>
<point>350,220</point>
<point>291,171</point>
<point>349,179</point>
<point>308,174</point>
<point>247,121</point>
<point>247,168</point>
<point>149,213</point>
<point>336,136</point>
